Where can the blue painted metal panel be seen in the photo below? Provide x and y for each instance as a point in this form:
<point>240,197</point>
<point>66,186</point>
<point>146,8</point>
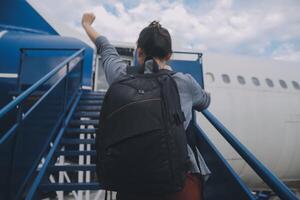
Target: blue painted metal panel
<point>49,50</point>
<point>19,14</point>
<point>87,66</point>
<point>193,68</point>
<point>6,158</point>
<point>37,63</point>
<point>12,42</point>
<point>19,18</point>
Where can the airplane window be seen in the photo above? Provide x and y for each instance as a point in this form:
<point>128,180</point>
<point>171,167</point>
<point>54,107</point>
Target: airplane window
<point>269,82</point>
<point>255,81</point>
<point>283,84</point>
<point>226,78</point>
<point>296,85</point>
<point>241,80</point>
<point>209,77</point>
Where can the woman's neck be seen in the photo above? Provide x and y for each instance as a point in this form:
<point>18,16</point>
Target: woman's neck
<point>161,63</point>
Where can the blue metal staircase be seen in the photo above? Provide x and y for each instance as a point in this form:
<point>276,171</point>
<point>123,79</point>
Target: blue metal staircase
<point>49,146</point>
<point>77,143</point>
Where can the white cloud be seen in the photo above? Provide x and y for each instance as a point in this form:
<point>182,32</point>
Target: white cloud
<point>286,52</point>
<point>247,27</point>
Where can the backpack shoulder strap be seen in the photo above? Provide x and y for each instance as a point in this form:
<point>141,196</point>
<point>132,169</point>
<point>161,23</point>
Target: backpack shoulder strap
<point>170,72</point>
<point>133,69</point>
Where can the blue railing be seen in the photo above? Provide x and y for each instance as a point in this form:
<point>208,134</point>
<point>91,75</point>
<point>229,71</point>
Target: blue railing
<point>37,181</point>
<point>38,113</point>
<point>266,175</point>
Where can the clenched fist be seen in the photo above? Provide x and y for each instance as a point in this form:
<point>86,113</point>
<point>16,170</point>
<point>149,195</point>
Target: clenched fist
<point>87,19</point>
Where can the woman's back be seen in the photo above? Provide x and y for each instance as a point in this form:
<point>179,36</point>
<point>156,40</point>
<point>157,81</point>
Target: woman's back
<point>154,45</point>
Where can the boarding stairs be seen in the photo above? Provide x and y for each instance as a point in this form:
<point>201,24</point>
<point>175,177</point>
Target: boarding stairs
<point>47,148</point>
<point>73,163</point>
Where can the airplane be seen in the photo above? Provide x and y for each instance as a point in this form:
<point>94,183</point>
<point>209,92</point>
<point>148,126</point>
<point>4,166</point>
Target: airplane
<point>257,99</point>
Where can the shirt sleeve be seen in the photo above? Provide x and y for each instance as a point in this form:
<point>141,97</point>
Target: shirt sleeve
<point>114,67</point>
<point>200,98</point>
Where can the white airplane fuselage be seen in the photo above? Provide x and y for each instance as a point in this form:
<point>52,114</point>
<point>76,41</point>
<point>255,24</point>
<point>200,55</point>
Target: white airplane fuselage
<point>265,119</point>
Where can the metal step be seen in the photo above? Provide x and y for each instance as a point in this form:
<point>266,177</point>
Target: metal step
<point>90,102</point>
<point>70,186</point>
<point>91,98</point>
<point>77,141</point>
<point>84,122</point>
<point>87,114</point>
<point>88,108</point>
<point>57,168</point>
<point>76,153</point>
<point>92,93</point>
<point>74,131</point>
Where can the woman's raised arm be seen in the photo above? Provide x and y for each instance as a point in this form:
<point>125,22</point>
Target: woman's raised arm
<point>87,21</point>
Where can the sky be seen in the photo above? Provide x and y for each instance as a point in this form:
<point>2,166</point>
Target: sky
<point>259,28</point>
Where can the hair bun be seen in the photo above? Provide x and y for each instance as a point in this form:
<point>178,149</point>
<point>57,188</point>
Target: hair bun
<point>155,24</point>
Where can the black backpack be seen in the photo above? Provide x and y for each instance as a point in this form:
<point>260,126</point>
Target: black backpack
<point>141,143</point>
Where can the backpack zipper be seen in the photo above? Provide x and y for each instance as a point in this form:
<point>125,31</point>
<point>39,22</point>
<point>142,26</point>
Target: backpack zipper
<point>130,104</point>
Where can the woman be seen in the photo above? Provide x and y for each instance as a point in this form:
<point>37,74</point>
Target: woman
<point>155,42</point>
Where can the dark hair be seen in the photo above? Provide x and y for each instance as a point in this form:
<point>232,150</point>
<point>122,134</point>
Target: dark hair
<point>155,41</point>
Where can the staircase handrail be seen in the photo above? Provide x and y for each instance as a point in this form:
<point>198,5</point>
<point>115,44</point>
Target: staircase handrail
<point>263,172</point>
